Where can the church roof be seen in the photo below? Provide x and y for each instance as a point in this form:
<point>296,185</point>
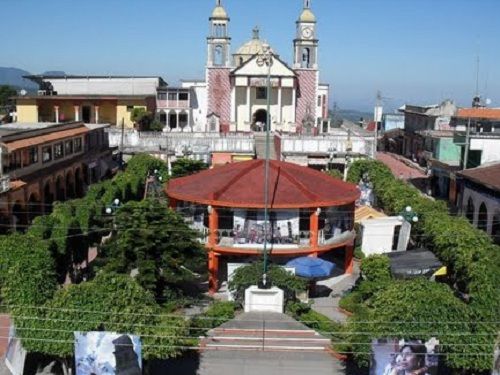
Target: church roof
<point>219,12</point>
<point>307,16</point>
<point>241,185</point>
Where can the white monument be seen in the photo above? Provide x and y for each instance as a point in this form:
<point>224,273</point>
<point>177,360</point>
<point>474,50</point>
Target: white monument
<point>264,300</point>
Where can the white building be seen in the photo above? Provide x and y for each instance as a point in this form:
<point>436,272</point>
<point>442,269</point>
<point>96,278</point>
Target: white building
<point>234,95</point>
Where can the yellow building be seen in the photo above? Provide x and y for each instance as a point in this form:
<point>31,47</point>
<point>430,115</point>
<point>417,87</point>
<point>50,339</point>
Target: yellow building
<point>95,99</point>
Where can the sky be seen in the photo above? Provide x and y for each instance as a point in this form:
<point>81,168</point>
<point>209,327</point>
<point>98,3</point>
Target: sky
<point>413,51</point>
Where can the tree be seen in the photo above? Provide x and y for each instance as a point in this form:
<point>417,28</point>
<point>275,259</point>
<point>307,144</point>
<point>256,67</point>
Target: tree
<point>335,173</point>
<point>113,303</point>
<point>156,242</point>
<point>141,117</point>
<point>185,167</point>
<point>27,270</point>
<point>6,92</point>
<point>246,276</point>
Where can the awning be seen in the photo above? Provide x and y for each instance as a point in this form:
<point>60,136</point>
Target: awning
<point>413,263</point>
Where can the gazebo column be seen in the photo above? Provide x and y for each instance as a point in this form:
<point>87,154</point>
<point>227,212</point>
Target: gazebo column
<point>213,261</point>
<point>172,203</point>
<point>349,259</point>
<point>213,272</point>
<point>314,228</point>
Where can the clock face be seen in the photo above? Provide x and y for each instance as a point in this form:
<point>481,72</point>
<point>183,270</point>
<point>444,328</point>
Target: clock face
<point>307,32</point>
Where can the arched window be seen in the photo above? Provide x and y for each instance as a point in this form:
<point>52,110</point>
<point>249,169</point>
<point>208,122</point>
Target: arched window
<point>306,58</point>
<point>163,117</point>
<point>218,55</point>
<point>482,220</point>
<point>469,211</point>
<point>241,61</point>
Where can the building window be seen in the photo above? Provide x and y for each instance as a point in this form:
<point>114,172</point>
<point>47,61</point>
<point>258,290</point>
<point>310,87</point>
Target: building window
<point>68,147</point>
<point>319,101</point>
<point>14,161</point>
<point>162,96</point>
<point>130,108</point>
<point>58,151</point>
<point>261,93</point>
<point>33,155</point>
<point>172,96</point>
<point>46,154</point>
<point>77,144</point>
<point>183,96</point>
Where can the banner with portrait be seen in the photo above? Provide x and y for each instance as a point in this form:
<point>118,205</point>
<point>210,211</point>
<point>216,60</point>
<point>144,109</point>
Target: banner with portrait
<point>399,357</point>
<point>107,353</point>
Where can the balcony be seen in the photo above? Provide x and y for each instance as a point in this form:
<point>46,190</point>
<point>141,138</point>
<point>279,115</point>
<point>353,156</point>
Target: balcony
<point>172,104</point>
<point>284,237</point>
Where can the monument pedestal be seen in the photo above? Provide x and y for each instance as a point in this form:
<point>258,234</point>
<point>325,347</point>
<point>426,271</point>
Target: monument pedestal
<point>264,300</point>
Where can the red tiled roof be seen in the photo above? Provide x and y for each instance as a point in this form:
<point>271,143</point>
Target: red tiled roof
<point>241,185</point>
<point>41,139</point>
<point>372,125</point>
<point>488,176</point>
<point>486,113</point>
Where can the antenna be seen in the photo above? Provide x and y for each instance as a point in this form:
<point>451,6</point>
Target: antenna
<point>477,75</point>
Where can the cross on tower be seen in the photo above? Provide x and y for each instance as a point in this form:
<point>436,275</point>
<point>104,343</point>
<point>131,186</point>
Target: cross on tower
<point>255,32</point>
<point>307,4</point>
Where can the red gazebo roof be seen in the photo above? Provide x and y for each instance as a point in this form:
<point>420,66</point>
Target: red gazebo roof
<point>241,185</point>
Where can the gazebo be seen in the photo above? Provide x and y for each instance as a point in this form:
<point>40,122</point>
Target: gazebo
<point>310,213</point>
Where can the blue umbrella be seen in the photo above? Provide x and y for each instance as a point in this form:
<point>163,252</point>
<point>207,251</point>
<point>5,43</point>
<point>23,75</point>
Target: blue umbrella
<point>311,267</point>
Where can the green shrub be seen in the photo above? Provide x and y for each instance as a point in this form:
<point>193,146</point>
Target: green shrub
<point>351,301</point>
<point>376,268</point>
<point>246,276</point>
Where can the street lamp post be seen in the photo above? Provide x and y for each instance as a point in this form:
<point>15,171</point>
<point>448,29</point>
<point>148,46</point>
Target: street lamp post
<point>408,215</point>
<point>266,58</point>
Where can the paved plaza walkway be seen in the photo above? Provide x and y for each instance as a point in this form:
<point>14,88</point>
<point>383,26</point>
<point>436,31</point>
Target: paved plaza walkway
<point>266,344</point>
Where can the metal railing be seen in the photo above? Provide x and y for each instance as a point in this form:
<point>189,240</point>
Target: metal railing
<point>4,184</point>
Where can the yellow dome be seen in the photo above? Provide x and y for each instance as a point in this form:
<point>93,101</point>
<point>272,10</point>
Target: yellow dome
<point>251,47</point>
<point>307,16</point>
<point>219,12</point>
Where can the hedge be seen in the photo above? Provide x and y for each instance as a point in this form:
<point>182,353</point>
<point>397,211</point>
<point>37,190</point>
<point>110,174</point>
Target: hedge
<point>473,263</point>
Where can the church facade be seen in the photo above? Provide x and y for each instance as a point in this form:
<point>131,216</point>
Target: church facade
<point>234,96</point>
<point>237,83</point>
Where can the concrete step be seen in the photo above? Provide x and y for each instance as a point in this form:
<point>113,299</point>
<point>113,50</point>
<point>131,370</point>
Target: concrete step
<point>255,332</point>
<point>278,341</point>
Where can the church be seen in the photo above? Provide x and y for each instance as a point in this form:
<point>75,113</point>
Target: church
<point>234,96</point>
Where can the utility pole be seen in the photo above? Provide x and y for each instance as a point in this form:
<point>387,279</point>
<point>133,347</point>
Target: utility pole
<point>467,143</point>
<point>121,142</point>
<point>267,58</point>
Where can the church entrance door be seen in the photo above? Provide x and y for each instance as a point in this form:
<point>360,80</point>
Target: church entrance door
<point>260,120</point>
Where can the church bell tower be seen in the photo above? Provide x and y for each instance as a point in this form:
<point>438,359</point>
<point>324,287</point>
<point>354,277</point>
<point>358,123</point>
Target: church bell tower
<point>306,42</point>
<point>218,69</point>
<point>219,42</point>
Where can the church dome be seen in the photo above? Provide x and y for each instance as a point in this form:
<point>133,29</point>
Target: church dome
<point>253,46</point>
<point>219,12</point>
<point>307,16</point>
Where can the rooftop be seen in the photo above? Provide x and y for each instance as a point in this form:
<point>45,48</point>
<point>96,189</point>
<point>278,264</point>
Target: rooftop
<point>483,113</point>
<point>488,175</point>
<point>240,185</point>
<point>37,132</point>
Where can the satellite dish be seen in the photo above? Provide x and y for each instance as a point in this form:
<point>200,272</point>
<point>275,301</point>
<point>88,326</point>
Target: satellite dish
<point>23,92</point>
<point>488,101</point>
